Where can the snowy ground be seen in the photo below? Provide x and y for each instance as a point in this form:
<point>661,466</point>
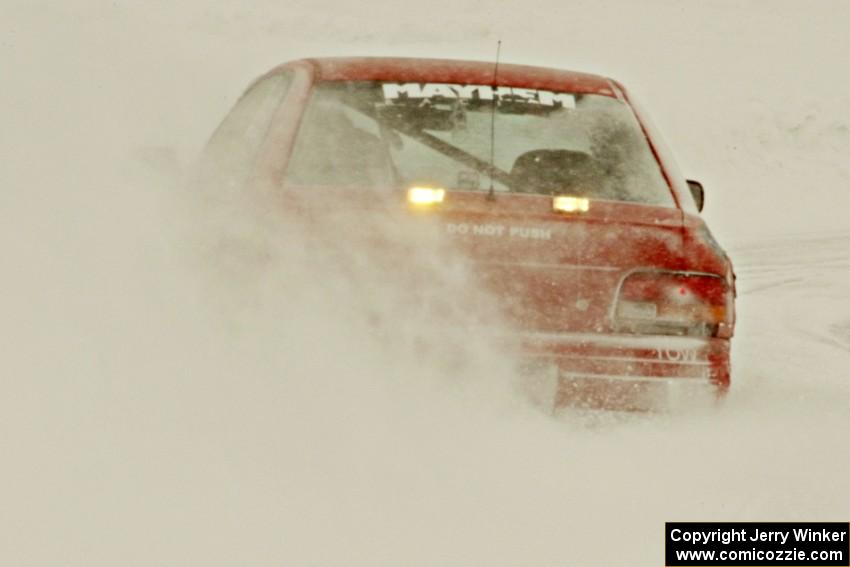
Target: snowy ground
<point>143,423</point>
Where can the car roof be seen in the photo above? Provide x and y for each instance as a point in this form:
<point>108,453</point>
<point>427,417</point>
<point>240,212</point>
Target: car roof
<point>457,71</point>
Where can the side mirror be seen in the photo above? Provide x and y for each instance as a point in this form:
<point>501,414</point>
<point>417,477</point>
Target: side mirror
<point>698,193</point>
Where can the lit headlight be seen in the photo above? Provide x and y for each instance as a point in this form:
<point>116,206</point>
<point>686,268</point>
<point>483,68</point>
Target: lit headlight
<point>425,195</point>
<point>567,204</point>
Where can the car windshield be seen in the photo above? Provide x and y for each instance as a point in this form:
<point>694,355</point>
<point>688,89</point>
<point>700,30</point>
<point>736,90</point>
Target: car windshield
<point>395,135</point>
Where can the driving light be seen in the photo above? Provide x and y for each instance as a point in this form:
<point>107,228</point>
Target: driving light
<point>567,204</point>
<point>425,195</point>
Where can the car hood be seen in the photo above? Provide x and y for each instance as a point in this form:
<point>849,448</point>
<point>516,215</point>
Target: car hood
<point>552,272</point>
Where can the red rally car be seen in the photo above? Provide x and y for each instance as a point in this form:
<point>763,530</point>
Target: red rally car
<point>552,183</point>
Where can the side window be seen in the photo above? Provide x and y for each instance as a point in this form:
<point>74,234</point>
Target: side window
<point>230,153</point>
<point>339,147</point>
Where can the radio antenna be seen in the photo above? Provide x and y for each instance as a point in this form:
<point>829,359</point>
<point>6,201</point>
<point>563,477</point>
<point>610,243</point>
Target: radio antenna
<point>491,194</point>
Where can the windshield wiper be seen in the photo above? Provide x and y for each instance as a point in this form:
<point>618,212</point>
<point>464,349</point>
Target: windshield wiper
<point>457,154</point>
<point>440,146</point>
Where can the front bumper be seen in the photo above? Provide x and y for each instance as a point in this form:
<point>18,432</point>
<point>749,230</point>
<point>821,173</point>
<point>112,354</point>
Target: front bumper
<point>624,372</point>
